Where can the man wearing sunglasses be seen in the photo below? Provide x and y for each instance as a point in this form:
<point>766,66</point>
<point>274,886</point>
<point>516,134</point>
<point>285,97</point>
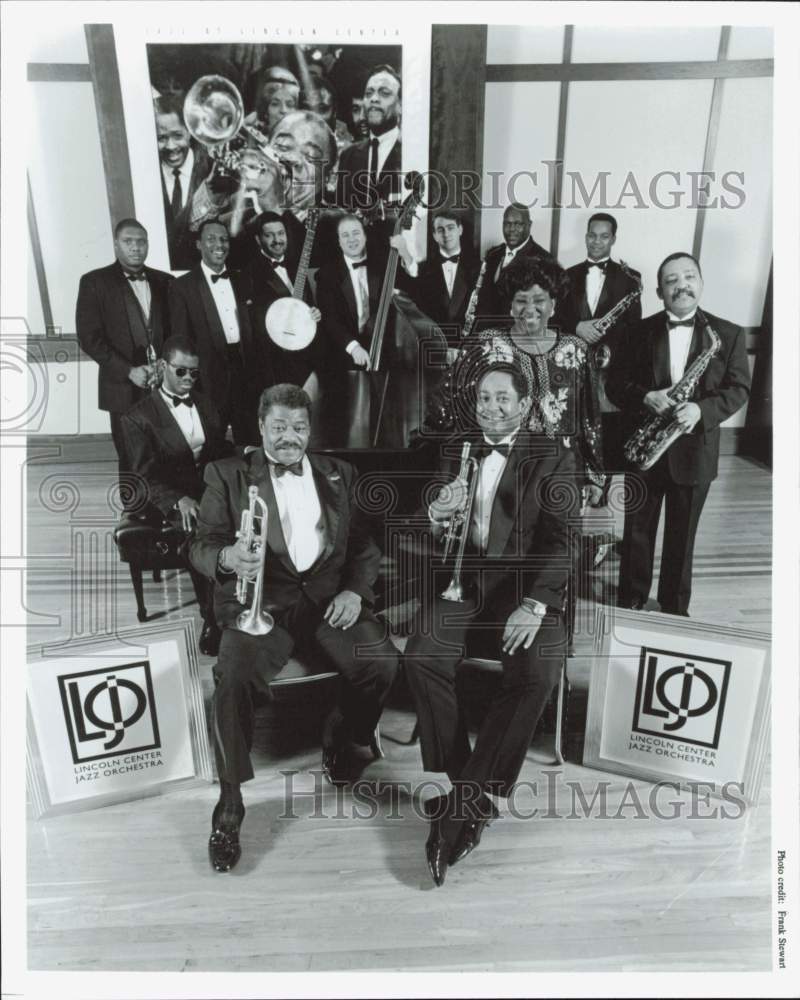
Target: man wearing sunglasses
<point>170,436</point>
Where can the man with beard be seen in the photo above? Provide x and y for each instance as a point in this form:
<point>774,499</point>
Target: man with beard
<point>369,170</point>
<point>657,353</point>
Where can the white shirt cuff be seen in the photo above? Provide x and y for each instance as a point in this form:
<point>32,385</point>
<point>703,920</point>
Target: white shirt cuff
<point>351,345</point>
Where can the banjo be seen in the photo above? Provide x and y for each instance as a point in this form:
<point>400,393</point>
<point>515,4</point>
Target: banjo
<point>288,320</point>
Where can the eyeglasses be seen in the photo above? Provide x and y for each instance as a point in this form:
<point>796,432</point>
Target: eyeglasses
<point>180,371</point>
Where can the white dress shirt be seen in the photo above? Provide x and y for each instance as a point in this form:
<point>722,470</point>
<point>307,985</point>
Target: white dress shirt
<point>595,278</point>
<point>185,174</point>
<point>680,340</point>
<point>509,256</point>
<point>141,289</point>
<point>225,301</point>
<point>188,419</point>
<point>300,513</point>
<point>449,271</point>
<point>385,143</point>
<point>491,469</point>
<point>280,270</point>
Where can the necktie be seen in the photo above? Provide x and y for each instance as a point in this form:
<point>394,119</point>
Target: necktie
<point>451,260</point>
<point>672,323</point>
<point>222,276</point>
<point>177,193</point>
<point>485,449</point>
<point>139,276</point>
<point>600,265</point>
<point>186,400</point>
<point>358,263</point>
<point>296,468</point>
<point>373,164</point>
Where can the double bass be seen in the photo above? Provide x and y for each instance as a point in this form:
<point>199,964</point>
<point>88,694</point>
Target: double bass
<point>379,406</point>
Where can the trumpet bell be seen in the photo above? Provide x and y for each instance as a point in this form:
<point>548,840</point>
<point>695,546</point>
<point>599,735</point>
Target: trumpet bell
<point>261,623</point>
<point>213,110</point>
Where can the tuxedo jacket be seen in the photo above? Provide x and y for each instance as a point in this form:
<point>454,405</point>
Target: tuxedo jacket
<point>193,313</point>
<point>616,286</point>
<point>183,253</point>
<point>352,181</point>
<point>492,304</point>
<point>113,331</point>
<point>349,561</point>
<point>722,390</point>
<point>537,497</point>
<point>158,451</point>
<point>429,290</point>
<point>336,300</point>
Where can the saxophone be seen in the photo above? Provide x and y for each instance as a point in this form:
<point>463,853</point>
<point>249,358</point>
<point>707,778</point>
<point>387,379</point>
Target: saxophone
<point>601,353</point>
<point>472,305</point>
<point>646,445</point>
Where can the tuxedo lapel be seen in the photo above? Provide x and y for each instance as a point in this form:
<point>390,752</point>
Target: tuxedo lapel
<point>258,475</point>
<point>579,293</point>
<point>213,321</point>
<point>349,296</point>
<point>330,491</point>
<point>169,433</point>
<point>460,289</point>
<point>266,274</point>
<point>606,292</point>
<point>697,344</point>
<point>506,504</point>
<point>130,308</point>
<point>660,341</point>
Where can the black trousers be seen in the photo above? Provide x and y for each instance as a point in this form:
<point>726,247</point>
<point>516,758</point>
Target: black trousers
<point>683,506</point>
<point>363,655</point>
<point>529,676</point>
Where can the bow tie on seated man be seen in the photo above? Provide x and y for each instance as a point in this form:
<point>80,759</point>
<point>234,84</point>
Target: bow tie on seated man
<point>317,567</point>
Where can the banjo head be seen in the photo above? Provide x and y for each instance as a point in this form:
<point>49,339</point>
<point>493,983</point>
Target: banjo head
<point>289,324</point>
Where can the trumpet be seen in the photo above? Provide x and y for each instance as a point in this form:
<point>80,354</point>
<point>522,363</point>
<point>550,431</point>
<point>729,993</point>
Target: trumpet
<point>454,504</point>
<point>254,621</point>
<point>214,116</point>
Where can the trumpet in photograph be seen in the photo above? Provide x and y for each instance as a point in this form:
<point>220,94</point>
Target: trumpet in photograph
<point>254,621</point>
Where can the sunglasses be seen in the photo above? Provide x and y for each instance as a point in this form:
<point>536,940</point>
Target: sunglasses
<point>180,371</point>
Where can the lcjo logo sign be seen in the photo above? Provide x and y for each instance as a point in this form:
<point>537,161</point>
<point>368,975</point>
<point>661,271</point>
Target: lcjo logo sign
<point>109,711</point>
<point>680,696</point>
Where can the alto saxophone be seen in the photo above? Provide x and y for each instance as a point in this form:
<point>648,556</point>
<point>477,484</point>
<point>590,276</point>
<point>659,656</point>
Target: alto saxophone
<point>601,353</point>
<point>647,444</point>
<point>472,305</point>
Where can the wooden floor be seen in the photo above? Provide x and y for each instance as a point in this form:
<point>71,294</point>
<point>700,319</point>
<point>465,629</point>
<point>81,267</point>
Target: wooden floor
<point>129,887</point>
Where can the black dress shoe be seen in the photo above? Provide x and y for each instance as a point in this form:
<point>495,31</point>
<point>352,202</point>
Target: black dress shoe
<point>224,849</point>
<point>471,831</point>
<point>210,636</point>
<point>437,852</point>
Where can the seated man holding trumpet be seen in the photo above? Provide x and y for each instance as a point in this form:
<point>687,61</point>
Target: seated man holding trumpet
<point>312,566</point>
<point>509,529</point>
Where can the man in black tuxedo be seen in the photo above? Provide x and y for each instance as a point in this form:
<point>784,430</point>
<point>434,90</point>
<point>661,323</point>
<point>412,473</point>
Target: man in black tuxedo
<point>517,242</point>
<point>209,305</point>
<point>444,282</point>
<point>183,167</point>
<point>596,286</point>
<point>370,170</point>
<point>318,570</point>
<point>348,292</point>
<point>658,352</point>
<point>170,436</point>
<point>122,319</point>
<point>516,566</point>
<point>270,276</point>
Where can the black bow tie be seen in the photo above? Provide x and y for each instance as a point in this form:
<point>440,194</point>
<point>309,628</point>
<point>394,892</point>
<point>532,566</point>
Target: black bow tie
<point>276,263</point>
<point>451,260</point>
<point>177,400</point>
<point>222,276</point>
<point>672,323</point>
<point>296,468</point>
<point>358,263</point>
<point>139,276</point>
<point>484,448</point>
<point>601,264</point>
